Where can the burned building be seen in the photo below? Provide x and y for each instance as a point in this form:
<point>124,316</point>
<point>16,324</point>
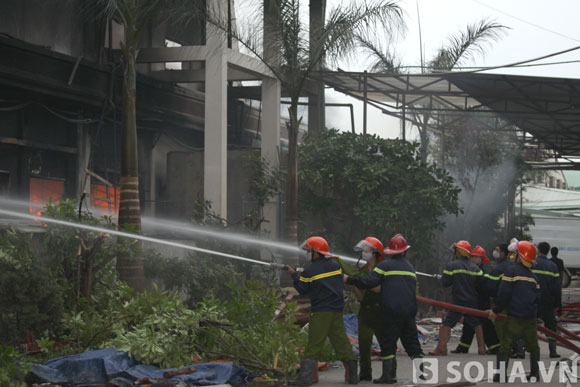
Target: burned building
<point>60,109</point>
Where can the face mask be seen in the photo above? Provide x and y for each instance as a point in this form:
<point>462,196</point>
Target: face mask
<point>495,254</point>
<point>310,256</point>
<point>367,255</point>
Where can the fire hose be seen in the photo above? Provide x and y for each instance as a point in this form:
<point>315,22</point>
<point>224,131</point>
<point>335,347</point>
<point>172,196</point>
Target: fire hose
<point>484,314</point>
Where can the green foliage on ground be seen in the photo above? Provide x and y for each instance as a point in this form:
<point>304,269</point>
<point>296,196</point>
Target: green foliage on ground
<point>356,185</point>
<point>12,372</point>
<point>157,328</point>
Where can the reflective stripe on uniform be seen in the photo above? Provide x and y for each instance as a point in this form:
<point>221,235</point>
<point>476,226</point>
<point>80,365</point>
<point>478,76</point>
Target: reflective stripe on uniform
<point>492,277</point>
<point>320,276</point>
<point>462,271</point>
<point>395,272</point>
<point>464,345</point>
<point>521,278</point>
<point>546,273</point>
<point>387,357</point>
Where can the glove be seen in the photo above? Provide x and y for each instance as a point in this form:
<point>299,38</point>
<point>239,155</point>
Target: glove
<point>437,276</point>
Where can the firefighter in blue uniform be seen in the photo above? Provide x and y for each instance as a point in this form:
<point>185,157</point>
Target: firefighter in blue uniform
<point>323,282</point>
<point>519,294</point>
<point>479,257</point>
<point>550,290</point>
<point>398,306</point>
<point>464,278</point>
<point>493,280</point>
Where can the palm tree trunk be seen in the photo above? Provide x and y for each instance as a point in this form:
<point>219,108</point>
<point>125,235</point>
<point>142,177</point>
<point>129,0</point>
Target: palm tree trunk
<point>130,269</point>
<point>292,178</point>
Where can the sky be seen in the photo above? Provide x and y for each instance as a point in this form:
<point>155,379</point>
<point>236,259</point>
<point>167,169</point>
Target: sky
<point>537,28</point>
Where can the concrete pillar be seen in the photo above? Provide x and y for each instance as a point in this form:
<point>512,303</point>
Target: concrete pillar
<point>216,99</point>
<point>316,101</point>
<point>271,90</point>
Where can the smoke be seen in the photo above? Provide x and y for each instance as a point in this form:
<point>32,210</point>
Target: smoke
<point>484,168</point>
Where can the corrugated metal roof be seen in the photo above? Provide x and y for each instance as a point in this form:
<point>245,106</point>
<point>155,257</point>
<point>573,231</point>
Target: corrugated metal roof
<point>547,108</point>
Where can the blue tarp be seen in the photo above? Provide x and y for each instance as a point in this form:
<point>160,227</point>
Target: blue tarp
<point>103,365</point>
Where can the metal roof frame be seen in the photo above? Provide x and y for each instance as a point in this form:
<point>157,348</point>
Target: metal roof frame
<point>547,108</point>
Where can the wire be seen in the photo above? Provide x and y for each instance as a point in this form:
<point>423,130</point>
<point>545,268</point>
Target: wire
<point>525,21</point>
<point>482,67</point>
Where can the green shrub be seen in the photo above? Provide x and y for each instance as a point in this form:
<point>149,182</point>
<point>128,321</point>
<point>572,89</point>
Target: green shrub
<point>12,373</point>
<point>31,300</point>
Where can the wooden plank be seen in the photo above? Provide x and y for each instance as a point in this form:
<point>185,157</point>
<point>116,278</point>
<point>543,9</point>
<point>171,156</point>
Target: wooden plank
<point>102,180</point>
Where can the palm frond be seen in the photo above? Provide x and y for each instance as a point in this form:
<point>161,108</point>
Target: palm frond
<point>344,24</point>
<point>465,45</point>
<point>383,59</point>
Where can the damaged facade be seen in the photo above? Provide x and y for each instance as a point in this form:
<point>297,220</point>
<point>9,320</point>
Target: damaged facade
<point>60,110</point>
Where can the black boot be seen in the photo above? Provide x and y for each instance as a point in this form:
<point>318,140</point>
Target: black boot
<point>394,373</point>
<point>365,373</point>
<point>552,345</point>
<point>501,359</point>
<point>388,372</point>
<point>460,349</point>
<point>534,367</point>
<point>519,351</point>
<point>351,374</point>
<point>304,377</point>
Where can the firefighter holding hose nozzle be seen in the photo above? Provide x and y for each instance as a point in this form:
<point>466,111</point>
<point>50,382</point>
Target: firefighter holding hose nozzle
<point>464,278</point>
<point>395,275</point>
<point>323,282</point>
<point>519,293</point>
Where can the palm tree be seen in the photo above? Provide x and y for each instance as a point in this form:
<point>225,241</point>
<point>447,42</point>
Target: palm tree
<point>292,58</point>
<point>135,16</point>
<point>460,48</point>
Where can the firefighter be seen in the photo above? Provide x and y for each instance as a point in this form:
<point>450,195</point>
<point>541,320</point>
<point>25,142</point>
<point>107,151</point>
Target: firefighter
<point>550,292</point>
<point>519,294</point>
<point>489,335</point>
<point>398,307</point>
<point>464,277</point>
<point>322,281</point>
<point>369,323</point>
<point>493,280</point>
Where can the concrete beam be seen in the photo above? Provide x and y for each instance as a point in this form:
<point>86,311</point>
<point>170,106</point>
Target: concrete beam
<point>190,76</point>
<point>249,63</point>
<point>172,54</point>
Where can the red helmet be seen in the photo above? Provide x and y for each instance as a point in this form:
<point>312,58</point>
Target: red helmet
<point>527,251</point>
<point>317,244</point>
<point>480,252</point>
<point>463,245</point>
<point>397,245</point>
